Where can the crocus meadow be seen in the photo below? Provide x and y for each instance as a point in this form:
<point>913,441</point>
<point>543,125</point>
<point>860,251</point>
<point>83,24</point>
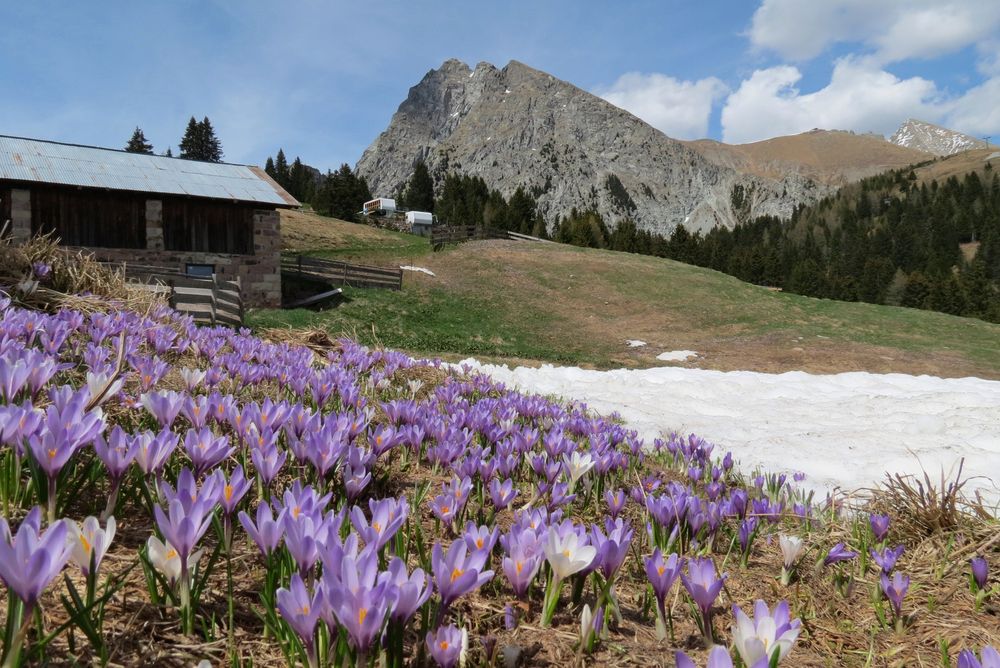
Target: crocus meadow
<point>385,511</point>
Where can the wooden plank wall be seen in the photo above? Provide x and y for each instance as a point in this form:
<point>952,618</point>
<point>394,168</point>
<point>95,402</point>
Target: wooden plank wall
<point>92,218</point>
<point>209,227</point>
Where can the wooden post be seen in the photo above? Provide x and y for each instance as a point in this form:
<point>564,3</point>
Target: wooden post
<point>215,288</point>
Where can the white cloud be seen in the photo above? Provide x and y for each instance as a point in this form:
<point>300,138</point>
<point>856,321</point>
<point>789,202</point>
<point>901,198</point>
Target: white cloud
<point>892,30</point>
<point>977,111</point>
<point>859,97</point>
<point>681,109</point>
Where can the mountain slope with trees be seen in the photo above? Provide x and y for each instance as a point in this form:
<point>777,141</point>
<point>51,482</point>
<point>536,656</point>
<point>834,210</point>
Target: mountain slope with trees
<point>889,239</point>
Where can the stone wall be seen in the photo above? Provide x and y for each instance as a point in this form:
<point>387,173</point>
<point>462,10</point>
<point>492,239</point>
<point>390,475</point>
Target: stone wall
<point>259,274</point>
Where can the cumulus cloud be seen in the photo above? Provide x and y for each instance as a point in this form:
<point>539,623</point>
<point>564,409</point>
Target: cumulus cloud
<point>859,97</point>
<point>680,109</point>
<point>892,30</point>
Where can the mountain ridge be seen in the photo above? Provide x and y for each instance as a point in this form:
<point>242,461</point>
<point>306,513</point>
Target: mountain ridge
<point>519,126</point>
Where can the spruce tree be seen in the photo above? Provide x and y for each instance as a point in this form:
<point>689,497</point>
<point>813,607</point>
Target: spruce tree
<point>138,143</point>
<point>200,143</point>
<point>269,167</point>
<point>281,169</point>
<point>190,144</point>
<point>211,147</point>
<point>419,194</point>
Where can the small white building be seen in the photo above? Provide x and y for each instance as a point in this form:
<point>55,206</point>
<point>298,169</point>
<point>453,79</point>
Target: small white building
<point>420,222</point>
<point>380,206</point>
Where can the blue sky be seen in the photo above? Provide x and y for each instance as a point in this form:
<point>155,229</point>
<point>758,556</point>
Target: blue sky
<point>322,79</point>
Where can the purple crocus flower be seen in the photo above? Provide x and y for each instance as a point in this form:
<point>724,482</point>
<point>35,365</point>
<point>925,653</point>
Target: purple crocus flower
<point>895,589</point>
<point>662,574</point>
<point>616,502</point>
<point>188,515</point>
<point>268,462</point>
<point>480,539</point>
<point>301,611</point>
<point>837,554</point>
<point>880,526</point>
<point>234,490</point>
<point>613,547</point>
<point>523,559</point>
<point>443,507</point>
<point>457,572</point>
<point>153,452</point>
<point>359,603</point>
<point>268,530</point>
<point>412,590</point>
<point>388,515</point>
<point>446,645</point>
<point>886,559</point>
<point>990,658</point>
<point>980,571</point>
<point>502,493</point>
<point>31,559</point>
<point>164,406</point>
<point>205,449</point>
<point>704,585</point>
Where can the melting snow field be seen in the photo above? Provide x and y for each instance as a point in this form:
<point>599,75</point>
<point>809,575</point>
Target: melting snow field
<point>843,430</point>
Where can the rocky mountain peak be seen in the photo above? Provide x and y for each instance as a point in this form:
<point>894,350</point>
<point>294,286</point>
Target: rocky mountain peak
<point>930,138</point>
<point>522,127</point>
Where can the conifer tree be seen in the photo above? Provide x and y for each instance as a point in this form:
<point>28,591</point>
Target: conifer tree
<point>281,169</point>
<point>200,143</point>
<point>419,194</point>
<point>190,144</point>
<point>269,167</point>
<point>211,147</point>
<point>138,143</point>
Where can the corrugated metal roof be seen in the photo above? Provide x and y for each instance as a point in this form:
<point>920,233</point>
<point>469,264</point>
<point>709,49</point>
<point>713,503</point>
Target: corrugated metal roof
<point>90,167</point>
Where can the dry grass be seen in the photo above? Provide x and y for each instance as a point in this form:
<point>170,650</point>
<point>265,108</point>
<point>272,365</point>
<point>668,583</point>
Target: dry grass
<point>75,281</point>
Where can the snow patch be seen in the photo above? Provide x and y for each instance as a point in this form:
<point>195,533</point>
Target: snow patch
<point>635,343</point>
<point>676,356</point>
<point>406,267</point>
<point>845,430</point>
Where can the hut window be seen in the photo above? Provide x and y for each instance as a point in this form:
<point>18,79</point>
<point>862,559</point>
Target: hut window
<point>200,270</point>
<point>207,227</point>
<point>91,218</point>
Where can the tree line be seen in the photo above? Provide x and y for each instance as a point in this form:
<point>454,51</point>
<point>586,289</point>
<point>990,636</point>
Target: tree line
<point>199,142</point>
<point>885,240</point>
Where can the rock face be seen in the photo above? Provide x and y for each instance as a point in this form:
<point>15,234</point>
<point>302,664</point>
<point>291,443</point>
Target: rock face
<point>517,126</point>
<point>934,139</point>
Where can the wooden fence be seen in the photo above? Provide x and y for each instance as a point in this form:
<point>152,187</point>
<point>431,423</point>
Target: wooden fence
<point>456,234</point>
<point>209,300</point>
<point>342,273</point>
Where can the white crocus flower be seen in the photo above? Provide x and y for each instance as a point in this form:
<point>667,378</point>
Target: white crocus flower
<point>759,638</point>
<point>578,464</point>
<point>192,378</point>
<point>566,555</point>
<point>165,559</point>
<point>791,548</point>
<point>90,539</point>
<point>463,656</point>
<point>586,625</point>
<point>101,387</point>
